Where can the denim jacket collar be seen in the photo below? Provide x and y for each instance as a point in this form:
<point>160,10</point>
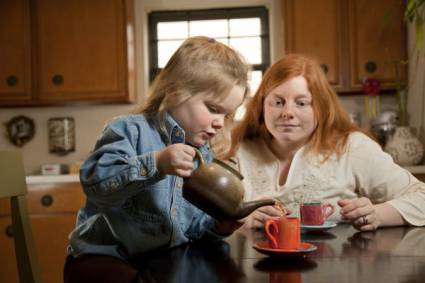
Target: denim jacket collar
<point>175,134</point>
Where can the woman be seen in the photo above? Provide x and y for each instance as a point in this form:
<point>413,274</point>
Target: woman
<point>297,143</point>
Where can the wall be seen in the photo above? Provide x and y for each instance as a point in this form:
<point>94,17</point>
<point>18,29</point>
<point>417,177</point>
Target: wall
<point>91,119</point>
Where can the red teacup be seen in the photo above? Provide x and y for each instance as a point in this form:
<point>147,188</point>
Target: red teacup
<point>315,213</point>
<point>283,232</point>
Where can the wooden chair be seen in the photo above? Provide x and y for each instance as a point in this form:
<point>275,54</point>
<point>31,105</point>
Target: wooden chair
<point>13,186</point>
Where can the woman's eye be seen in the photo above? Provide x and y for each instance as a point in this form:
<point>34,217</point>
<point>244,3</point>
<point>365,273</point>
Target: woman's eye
<point>278,102</point>
<point>303,103</point>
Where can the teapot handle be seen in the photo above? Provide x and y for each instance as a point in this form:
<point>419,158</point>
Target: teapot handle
<point>199,156</point>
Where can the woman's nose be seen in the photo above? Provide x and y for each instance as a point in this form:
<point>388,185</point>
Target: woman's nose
<point>287,111</point>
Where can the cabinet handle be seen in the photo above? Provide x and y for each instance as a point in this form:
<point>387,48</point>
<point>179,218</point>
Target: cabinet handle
<point>12,80</point>
<point>325,68</point>
<point>57,79</point>
<point>9,231</point>
<point>370,67</point>
<point>47,200</point>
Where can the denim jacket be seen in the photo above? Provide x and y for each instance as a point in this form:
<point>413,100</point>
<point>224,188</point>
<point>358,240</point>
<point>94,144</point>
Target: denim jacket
<point>131,208</point>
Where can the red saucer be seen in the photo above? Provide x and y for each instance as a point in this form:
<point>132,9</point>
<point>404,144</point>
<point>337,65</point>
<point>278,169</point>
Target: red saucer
<point>305,248</point>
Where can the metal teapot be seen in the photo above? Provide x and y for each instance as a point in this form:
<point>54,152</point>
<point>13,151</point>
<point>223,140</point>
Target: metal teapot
<point>216,189</point>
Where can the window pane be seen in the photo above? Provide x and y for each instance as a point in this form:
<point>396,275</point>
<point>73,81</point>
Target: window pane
<point>249,47</point>
<point>211,28</point>
<point>172,30</point>
<point>248,26</point>
<point>166,49</point>
<point>254,81</point>
<point>224,40</point>
<point>240,112</point>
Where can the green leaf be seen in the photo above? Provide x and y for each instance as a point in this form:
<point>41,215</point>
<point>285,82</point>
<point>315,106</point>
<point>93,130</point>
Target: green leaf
<point>409,13</point>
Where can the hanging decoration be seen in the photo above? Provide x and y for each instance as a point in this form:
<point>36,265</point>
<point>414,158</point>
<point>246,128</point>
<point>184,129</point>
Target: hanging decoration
<point>20,130</point>
<point>371,88</point>
<point>61,135</point>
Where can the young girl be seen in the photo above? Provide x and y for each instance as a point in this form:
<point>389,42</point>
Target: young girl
<point>133,178</point>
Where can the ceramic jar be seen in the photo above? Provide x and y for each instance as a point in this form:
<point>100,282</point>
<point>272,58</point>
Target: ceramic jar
<point>405,147</point>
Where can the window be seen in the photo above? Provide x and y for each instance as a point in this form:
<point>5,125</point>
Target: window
<point>244,29</point>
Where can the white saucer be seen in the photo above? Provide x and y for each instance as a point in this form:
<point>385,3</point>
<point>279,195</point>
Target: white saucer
<point>325,226</point>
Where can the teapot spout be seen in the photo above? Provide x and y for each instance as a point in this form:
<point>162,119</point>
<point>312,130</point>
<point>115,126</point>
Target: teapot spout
<point>248,207</point>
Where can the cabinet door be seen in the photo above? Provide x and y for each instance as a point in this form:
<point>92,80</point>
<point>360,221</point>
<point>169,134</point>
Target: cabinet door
<point>313,28</point>
<point>377,39</point>
<point>51,237</point>
<point>8,267</point>
<point>81,50</point>
<point>15,51</point>
<point>50,233</point>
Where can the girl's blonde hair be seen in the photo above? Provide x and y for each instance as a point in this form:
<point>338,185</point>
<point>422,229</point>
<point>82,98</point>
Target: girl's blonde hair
<point>201,65</point>
<point>333,122</point>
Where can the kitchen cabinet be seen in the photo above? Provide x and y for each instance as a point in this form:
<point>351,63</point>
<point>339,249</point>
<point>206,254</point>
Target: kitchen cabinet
<point>351,39</point>
<point>53,208</point>
<point>15,51</point>
<point>78,52</point>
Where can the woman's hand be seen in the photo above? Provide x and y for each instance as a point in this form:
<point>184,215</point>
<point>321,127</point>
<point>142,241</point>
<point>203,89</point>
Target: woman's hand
<point>257,218</point>
<point>361,213</point>
<point>175,159</point>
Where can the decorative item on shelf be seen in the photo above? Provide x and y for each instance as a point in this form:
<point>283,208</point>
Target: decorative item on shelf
<point>371,88</point>
<point>384,125</point>
<point>20,130</point>
<point>54,169</point>
<point>61,135</point>
<point>405,147</point>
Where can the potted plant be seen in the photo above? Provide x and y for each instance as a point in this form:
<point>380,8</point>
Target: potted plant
<point>405,148</point>
<point>415,14</point>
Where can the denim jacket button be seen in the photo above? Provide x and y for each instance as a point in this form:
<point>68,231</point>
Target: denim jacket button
<point>178,133</point>
<point>173,211</point>
<point>143,172</point>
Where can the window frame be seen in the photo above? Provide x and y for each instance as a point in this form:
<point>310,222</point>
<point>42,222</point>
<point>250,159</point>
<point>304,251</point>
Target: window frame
<point>260,12</point>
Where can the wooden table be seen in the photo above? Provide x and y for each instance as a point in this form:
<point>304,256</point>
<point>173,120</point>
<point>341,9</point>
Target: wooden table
<point>343,255</point>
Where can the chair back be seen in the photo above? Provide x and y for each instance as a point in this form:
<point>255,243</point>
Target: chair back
<point>13,186</point>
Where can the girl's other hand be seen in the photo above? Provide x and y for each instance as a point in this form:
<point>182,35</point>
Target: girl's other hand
<point>360,212</point>
<point>175,159</point>
<point>257,218</point>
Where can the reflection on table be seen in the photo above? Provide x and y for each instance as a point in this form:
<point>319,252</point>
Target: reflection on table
<point>343,255</point>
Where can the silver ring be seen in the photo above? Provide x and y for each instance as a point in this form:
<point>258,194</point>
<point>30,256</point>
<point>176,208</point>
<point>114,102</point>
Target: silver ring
<point>364,220</point>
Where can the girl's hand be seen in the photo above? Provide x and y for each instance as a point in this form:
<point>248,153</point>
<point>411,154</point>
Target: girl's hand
<point>257,218</point>
<point>175,159</point>
<point>360,212</point>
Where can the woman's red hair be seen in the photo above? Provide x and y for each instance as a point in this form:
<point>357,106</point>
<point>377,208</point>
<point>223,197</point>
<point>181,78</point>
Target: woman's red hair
<point>333,122</point>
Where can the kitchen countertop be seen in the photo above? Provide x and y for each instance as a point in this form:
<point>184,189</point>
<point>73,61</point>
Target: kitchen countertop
<point>39,179</point>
